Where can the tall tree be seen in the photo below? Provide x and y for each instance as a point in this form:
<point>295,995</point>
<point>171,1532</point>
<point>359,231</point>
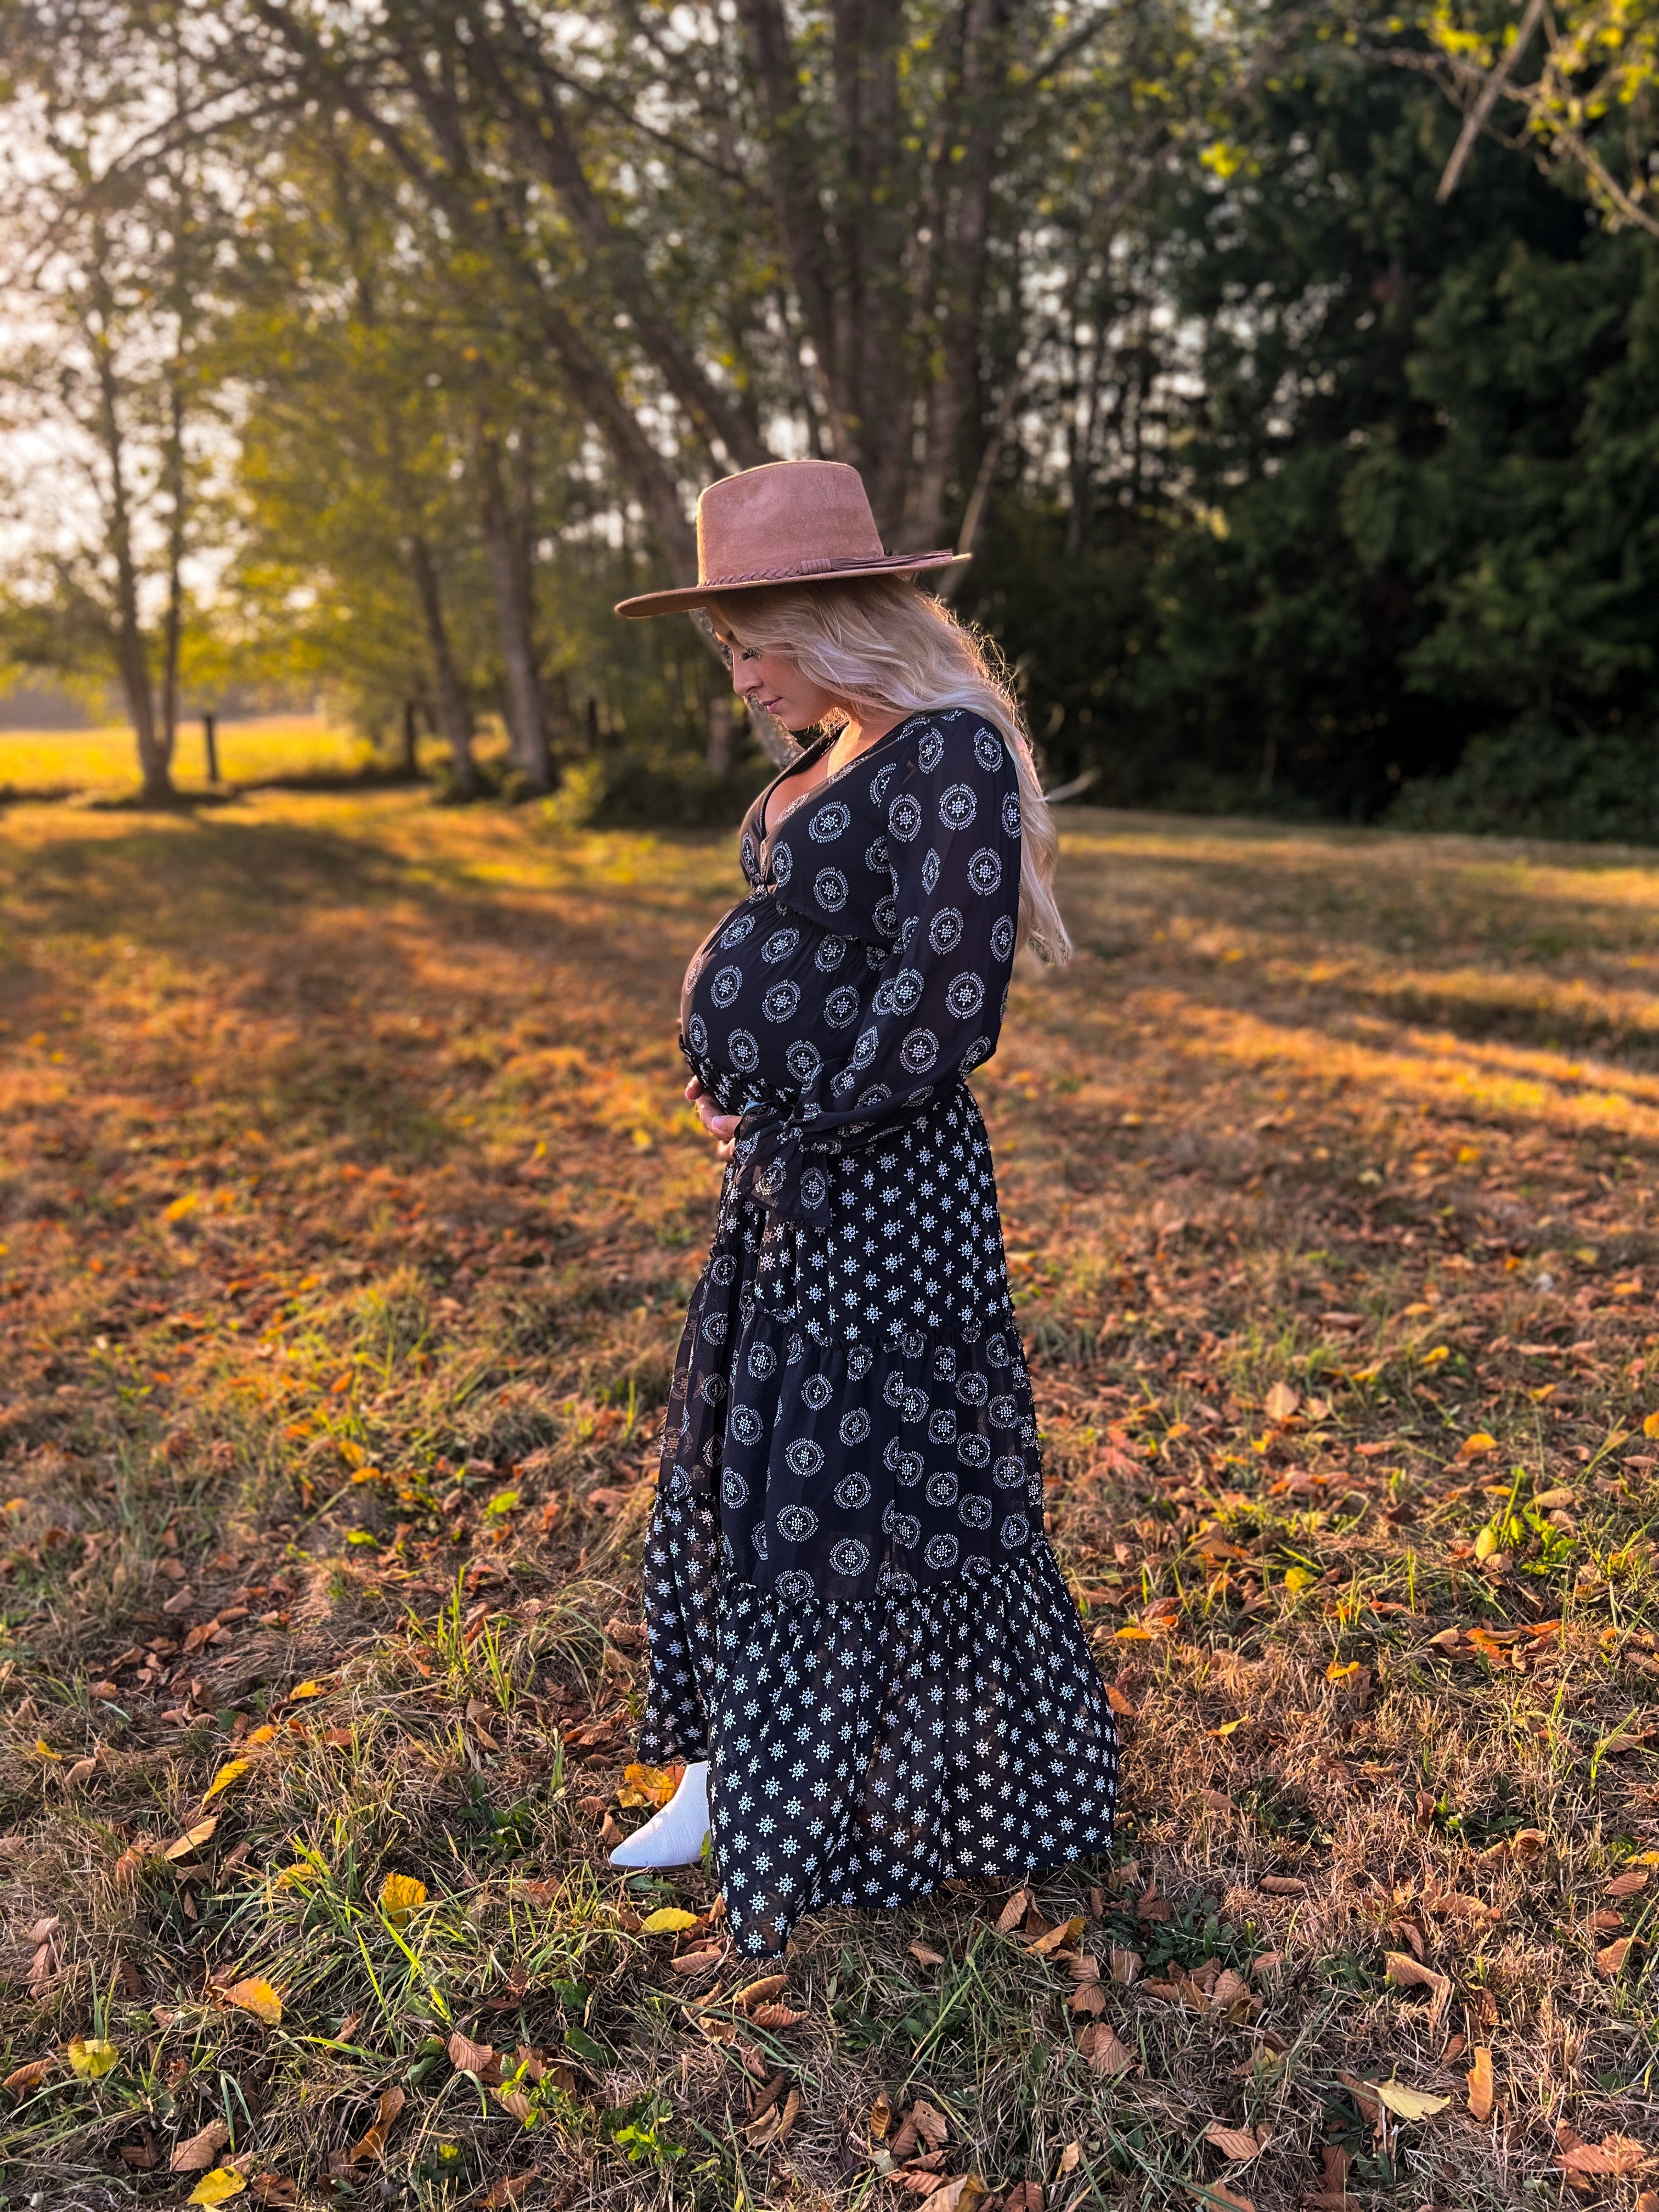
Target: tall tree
<point>109,241</point>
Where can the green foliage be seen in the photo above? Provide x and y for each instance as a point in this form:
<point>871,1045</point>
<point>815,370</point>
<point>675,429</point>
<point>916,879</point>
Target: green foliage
<point>1538,780</point>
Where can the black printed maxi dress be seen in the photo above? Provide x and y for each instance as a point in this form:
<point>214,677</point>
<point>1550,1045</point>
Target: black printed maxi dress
<point>854,1614</point>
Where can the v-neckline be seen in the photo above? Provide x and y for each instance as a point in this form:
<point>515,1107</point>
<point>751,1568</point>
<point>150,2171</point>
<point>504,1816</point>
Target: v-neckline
<point>769,837</point>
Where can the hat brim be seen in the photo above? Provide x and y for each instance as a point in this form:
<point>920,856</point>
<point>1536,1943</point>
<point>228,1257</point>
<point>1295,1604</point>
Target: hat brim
<point>699,595</point>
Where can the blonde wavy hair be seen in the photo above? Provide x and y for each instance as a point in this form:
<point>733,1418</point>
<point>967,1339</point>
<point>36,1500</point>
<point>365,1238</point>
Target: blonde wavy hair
<point>879,647</point>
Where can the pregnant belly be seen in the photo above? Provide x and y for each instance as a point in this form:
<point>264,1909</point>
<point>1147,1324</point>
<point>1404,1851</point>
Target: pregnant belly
<point>769,997</point>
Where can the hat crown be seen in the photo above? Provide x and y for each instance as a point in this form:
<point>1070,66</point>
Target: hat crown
<point>783,519</point>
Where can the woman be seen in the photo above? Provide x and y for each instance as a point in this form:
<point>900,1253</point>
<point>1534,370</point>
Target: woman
<point>860,1642</point>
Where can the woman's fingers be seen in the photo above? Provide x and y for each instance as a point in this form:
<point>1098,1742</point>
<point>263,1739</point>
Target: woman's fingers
<point>693,1091</point>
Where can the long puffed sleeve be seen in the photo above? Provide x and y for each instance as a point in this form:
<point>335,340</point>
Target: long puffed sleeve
<point>921,1015</point>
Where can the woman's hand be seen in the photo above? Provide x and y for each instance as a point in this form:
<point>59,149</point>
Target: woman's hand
<point>723,1125</point>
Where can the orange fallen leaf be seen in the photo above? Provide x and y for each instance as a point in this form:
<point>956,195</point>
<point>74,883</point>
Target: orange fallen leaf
<point>1067,1932</point>
<point>257,1997</point>
<point>1481,2083</point>
<point>369,2147</point>
<point>27,2077</point>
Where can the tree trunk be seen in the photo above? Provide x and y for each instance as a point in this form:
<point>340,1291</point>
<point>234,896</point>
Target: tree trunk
<point>509,552</point>
<point>132,648</point>
<point>454,715</point>
<point>172,631</point>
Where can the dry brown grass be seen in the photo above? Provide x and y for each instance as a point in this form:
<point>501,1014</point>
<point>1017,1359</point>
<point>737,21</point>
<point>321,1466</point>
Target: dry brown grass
<point>348,1205</point>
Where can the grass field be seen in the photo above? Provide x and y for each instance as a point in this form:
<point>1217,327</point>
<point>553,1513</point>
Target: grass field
<point>347,1208</point>
<point>50,764</point>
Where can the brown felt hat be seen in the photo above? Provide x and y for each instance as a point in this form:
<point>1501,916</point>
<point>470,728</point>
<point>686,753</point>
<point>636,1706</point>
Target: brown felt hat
<point>790,522</point>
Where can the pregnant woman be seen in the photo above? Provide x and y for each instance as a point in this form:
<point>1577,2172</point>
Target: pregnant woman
<point>860,1642</point>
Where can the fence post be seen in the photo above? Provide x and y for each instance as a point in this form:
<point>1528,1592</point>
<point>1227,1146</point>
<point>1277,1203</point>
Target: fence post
<point>210,738</point>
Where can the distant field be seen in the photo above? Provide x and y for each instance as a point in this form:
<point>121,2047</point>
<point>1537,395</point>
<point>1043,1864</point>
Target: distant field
<point>39,761</point>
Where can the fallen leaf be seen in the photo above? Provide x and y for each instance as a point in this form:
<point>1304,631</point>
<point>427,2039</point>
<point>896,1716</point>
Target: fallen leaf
<point>960,2195</point>
<point>1067,1932</point>
<point>1281,1402</point>
<point>776,2015</point>
<point>231,1771</point>
<point>1627,1885</point>
<point>1232,2143</point>
<point>468,2057</point>
<point>696,1962</point>
<point>1107,2054</point>
<point>187,1845</point>
<point>881,2118</point>
<point>924,1954</point>
<point>1477,1446</point>
<point>1408,1972</point>
<point>774,2125</point>
<point>92,2056</point>
<point>648,1785</point>
<point>400,1895</point>
<point>1217,2192</point>
<point>198,2153</point>
<point>217,2187</point>
<point>507,2190</point>
<point>1230,1989</point>
<point>257,1997</point>
<point>368,2146</point>
<point>29,2077</point>
<point>1119,1703</point>
<point>668,1920</point>
<point>1013,1912</point>
<point>758,1992</point>
<point>1481,2083</point>
<point>928,2122</point>
<point>1407,2104</point>
<point>1283,1885</point>
<point>1089,1998</point>
<point>1611,1960</point>
<point>1126,1965</point>
<point>306,1689</point>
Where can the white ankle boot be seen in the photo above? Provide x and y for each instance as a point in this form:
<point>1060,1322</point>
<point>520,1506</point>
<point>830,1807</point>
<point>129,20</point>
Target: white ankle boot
<point>672,1838</point>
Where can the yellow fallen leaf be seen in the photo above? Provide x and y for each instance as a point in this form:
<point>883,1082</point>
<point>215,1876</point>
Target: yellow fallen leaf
<point>92,2056</point>
<point>668,1920</point>
<point>45,1751</point>
<point>1133,1634</point>
<point>1650,1426</point>
<point>257,1998</point>
<point>265,1733</point>
<point>400,1895</point>
<point>1300,1578</point>
<point>1477,1446</point>
<point>231,1771</point>
<point>217,2187</point>
<point>1407,2104</point>
<point>1230,1728</point>
<point>1485,1543</point>
<point>1433,1358</point>
<point>306,1689</point>
<point>1336,1671</point>
<point>186,1846</point>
